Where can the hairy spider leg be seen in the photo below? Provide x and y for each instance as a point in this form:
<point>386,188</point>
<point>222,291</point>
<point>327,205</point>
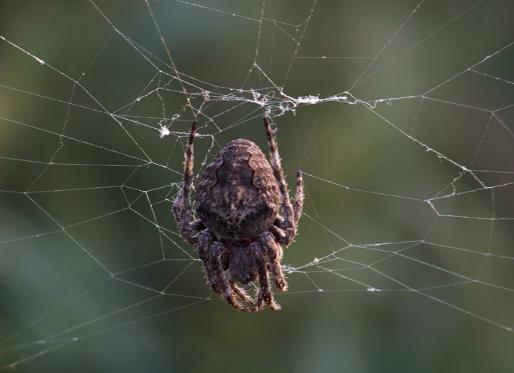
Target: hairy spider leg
<point>255,305</point>
<point>205,241</point>
<point>274,253</point>
<point>299,196</point>
<point>226,290</point>
<point>291,214</point>
<point>265,293</point>
<point>182,204</point>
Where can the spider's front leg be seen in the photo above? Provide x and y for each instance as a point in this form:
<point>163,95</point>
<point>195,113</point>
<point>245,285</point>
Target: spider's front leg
<point>182,209</point>
<point>211,253</point>
<point>254,306</point>
<point>274,254</point>
<point>285,230</point>
<point>264,295</point>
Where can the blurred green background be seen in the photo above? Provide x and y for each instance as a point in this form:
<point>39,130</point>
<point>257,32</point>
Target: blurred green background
<point>93,276</point>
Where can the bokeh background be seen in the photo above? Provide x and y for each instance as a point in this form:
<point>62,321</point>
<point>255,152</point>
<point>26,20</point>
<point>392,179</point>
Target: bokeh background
<point>93,276</point>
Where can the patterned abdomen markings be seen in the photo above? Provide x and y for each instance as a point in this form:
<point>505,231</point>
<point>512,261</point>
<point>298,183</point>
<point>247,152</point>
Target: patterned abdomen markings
<point>237,195</point>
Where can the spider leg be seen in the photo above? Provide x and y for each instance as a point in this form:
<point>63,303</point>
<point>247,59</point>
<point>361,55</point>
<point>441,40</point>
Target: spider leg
<point>205,239</point>
<point>291,214</point>
<point>298,198</point>
<point>256,305</point>
<point>283,234</point>
<point>182,204</point>
<point>226,290</point>
<point>279,233</point>
<point>215,277</point>
<point>279,228</point>
<point>265,295</point>
<point>274,254</point>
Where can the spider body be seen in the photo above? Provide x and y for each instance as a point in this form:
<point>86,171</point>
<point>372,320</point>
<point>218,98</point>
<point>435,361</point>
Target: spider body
<point>237,196</point>
<point>245,216</point>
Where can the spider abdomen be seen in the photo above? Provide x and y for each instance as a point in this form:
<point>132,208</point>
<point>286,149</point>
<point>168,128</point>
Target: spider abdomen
<point>237,196</point>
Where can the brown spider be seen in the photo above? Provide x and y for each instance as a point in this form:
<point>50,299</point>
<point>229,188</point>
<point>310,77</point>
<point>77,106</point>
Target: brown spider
<point>240,230</point>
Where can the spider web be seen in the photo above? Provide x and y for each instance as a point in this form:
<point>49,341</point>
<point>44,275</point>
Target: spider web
<point>400,116</point>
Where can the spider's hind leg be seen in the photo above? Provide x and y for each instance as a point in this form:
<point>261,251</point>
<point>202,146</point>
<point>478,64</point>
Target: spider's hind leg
<point>298,198</point>
<point>182,205</point>
<point>291,211</point>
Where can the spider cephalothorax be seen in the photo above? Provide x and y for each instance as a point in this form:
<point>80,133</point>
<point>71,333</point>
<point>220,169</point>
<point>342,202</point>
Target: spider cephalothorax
<point>245,215</point>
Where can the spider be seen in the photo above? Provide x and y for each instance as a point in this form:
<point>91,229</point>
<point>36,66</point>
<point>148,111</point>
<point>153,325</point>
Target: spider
<point>244,217</point>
